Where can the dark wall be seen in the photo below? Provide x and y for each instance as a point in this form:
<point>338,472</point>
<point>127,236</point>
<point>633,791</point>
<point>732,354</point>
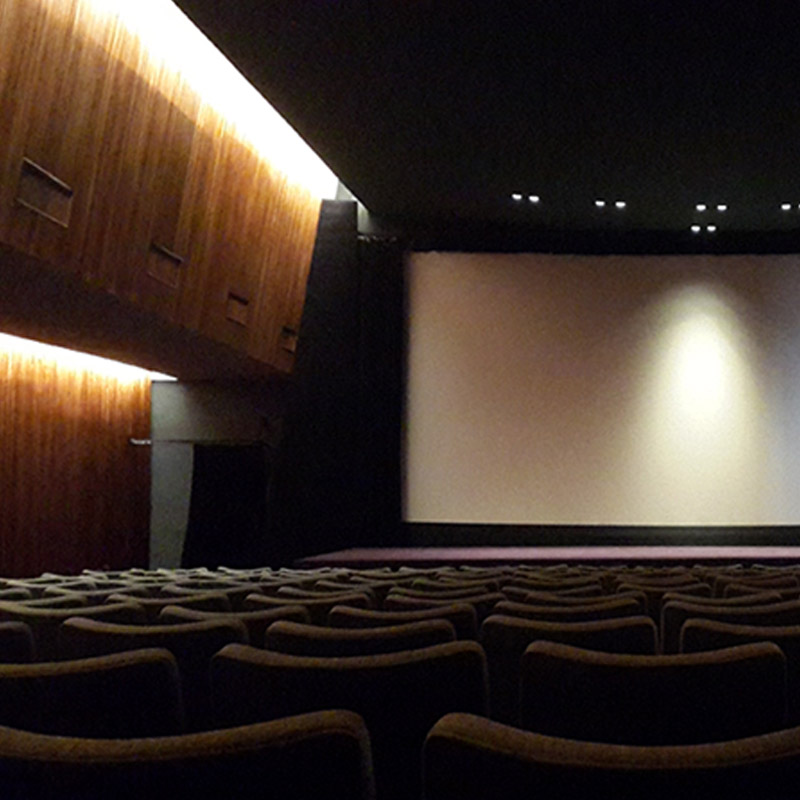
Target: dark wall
<point>381,387</point>
<point>337,481</point>
<point>227,510</point>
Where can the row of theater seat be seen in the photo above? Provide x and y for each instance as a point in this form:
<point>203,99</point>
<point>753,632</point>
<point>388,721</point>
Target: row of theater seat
<point>326,756</point>
<point>403,648</point>
<point>591,619</point>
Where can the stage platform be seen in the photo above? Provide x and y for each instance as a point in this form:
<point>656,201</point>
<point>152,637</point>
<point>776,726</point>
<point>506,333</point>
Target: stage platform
<point>608,555</point>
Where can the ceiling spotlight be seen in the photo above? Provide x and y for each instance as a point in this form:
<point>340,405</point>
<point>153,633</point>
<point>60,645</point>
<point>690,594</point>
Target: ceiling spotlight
<point>701,206</point>
<point>786,207</point>
<point>711,228</point>
<point>516,196</point>
<point>600,203</point>
<point>722,207</point>
<point>534,198</point>
<point>620,204</point>
<point>695,229</point>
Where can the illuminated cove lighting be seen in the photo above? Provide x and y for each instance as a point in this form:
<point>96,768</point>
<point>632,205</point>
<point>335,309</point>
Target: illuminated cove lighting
<point>172,42</point>
<point>77,361</point>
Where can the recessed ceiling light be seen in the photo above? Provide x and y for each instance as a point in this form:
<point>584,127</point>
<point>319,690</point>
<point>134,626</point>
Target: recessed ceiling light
<point>534,198</point>
<point>695,229</point>
<point>516,196</point>
<point>722,207</point>
<point>786,207</point>
<point>600,203</point>
<point>701,206</point>
<point>620,204</point>
<point>711,228</point>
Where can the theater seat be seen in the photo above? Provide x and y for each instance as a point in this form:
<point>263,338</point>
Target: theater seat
<point>16,643</point>
<point>674,615</point>
<point>399,695</point>
<point>467,757</point>
<point>650,700</point>
<point>315,640</point>
<point>256,622</point>
<point>45,622</point>
<point>123,695</point>
<point>702,634</point>
<point>613,607</point>
<point>505,639</point>
<point>317,607</point>
<point>482,603</point>
<point>235,592</point>
<point>208,601</point>
<point>462,616</point>
<point>192,643</point>
<point>324,756</point>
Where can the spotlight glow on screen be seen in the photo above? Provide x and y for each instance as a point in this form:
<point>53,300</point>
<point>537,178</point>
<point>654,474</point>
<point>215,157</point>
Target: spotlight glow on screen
<point>699,425</point>
<point>700,358</point>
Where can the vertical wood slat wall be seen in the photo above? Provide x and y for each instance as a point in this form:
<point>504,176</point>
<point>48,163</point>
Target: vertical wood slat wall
<point>149,162</point>
<point>75,493</point>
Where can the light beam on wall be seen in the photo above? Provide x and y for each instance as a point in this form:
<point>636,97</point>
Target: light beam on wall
<point>173,43</point>
<point>698,363</point>
<point>77,361</point>
<point>698,440</point>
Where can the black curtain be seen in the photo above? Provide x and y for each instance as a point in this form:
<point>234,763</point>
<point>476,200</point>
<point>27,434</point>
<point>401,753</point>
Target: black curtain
<point>337,475</point>
<point>381,388</point>
<point>227,511</point>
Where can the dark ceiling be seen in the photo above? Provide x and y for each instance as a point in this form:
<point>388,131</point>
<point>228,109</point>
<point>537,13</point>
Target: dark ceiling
<point>435,114</point>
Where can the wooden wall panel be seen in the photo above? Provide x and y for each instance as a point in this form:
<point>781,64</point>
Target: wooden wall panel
<point>115,241</point>
<point>254,237</point>
<point>75,492</point>
<point>134,224</point>
<point>21,40</point>
<point>201,194</point>
<point>157,283</point>
<point>63,132</point>
<point>291,227</point>
<point>232,259</point>
<point>172,208</point>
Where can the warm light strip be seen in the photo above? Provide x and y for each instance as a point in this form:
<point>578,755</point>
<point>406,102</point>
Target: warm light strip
<point>72,359</point>
<point>171,38</point>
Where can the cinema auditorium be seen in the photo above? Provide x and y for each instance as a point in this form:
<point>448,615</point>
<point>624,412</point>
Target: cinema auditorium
<point>399,400</point>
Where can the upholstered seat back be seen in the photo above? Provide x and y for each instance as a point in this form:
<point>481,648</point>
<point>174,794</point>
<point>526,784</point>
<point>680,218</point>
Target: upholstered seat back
<point>314,640</point>
<point>399,695</point>
<point>324,756</point>
<point>648,700</point>
<point>471,758</point>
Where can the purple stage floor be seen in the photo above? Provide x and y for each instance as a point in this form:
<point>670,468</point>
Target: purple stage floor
<point>439,556</point>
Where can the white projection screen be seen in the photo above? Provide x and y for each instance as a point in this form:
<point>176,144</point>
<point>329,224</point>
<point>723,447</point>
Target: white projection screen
<point>603,390</point>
